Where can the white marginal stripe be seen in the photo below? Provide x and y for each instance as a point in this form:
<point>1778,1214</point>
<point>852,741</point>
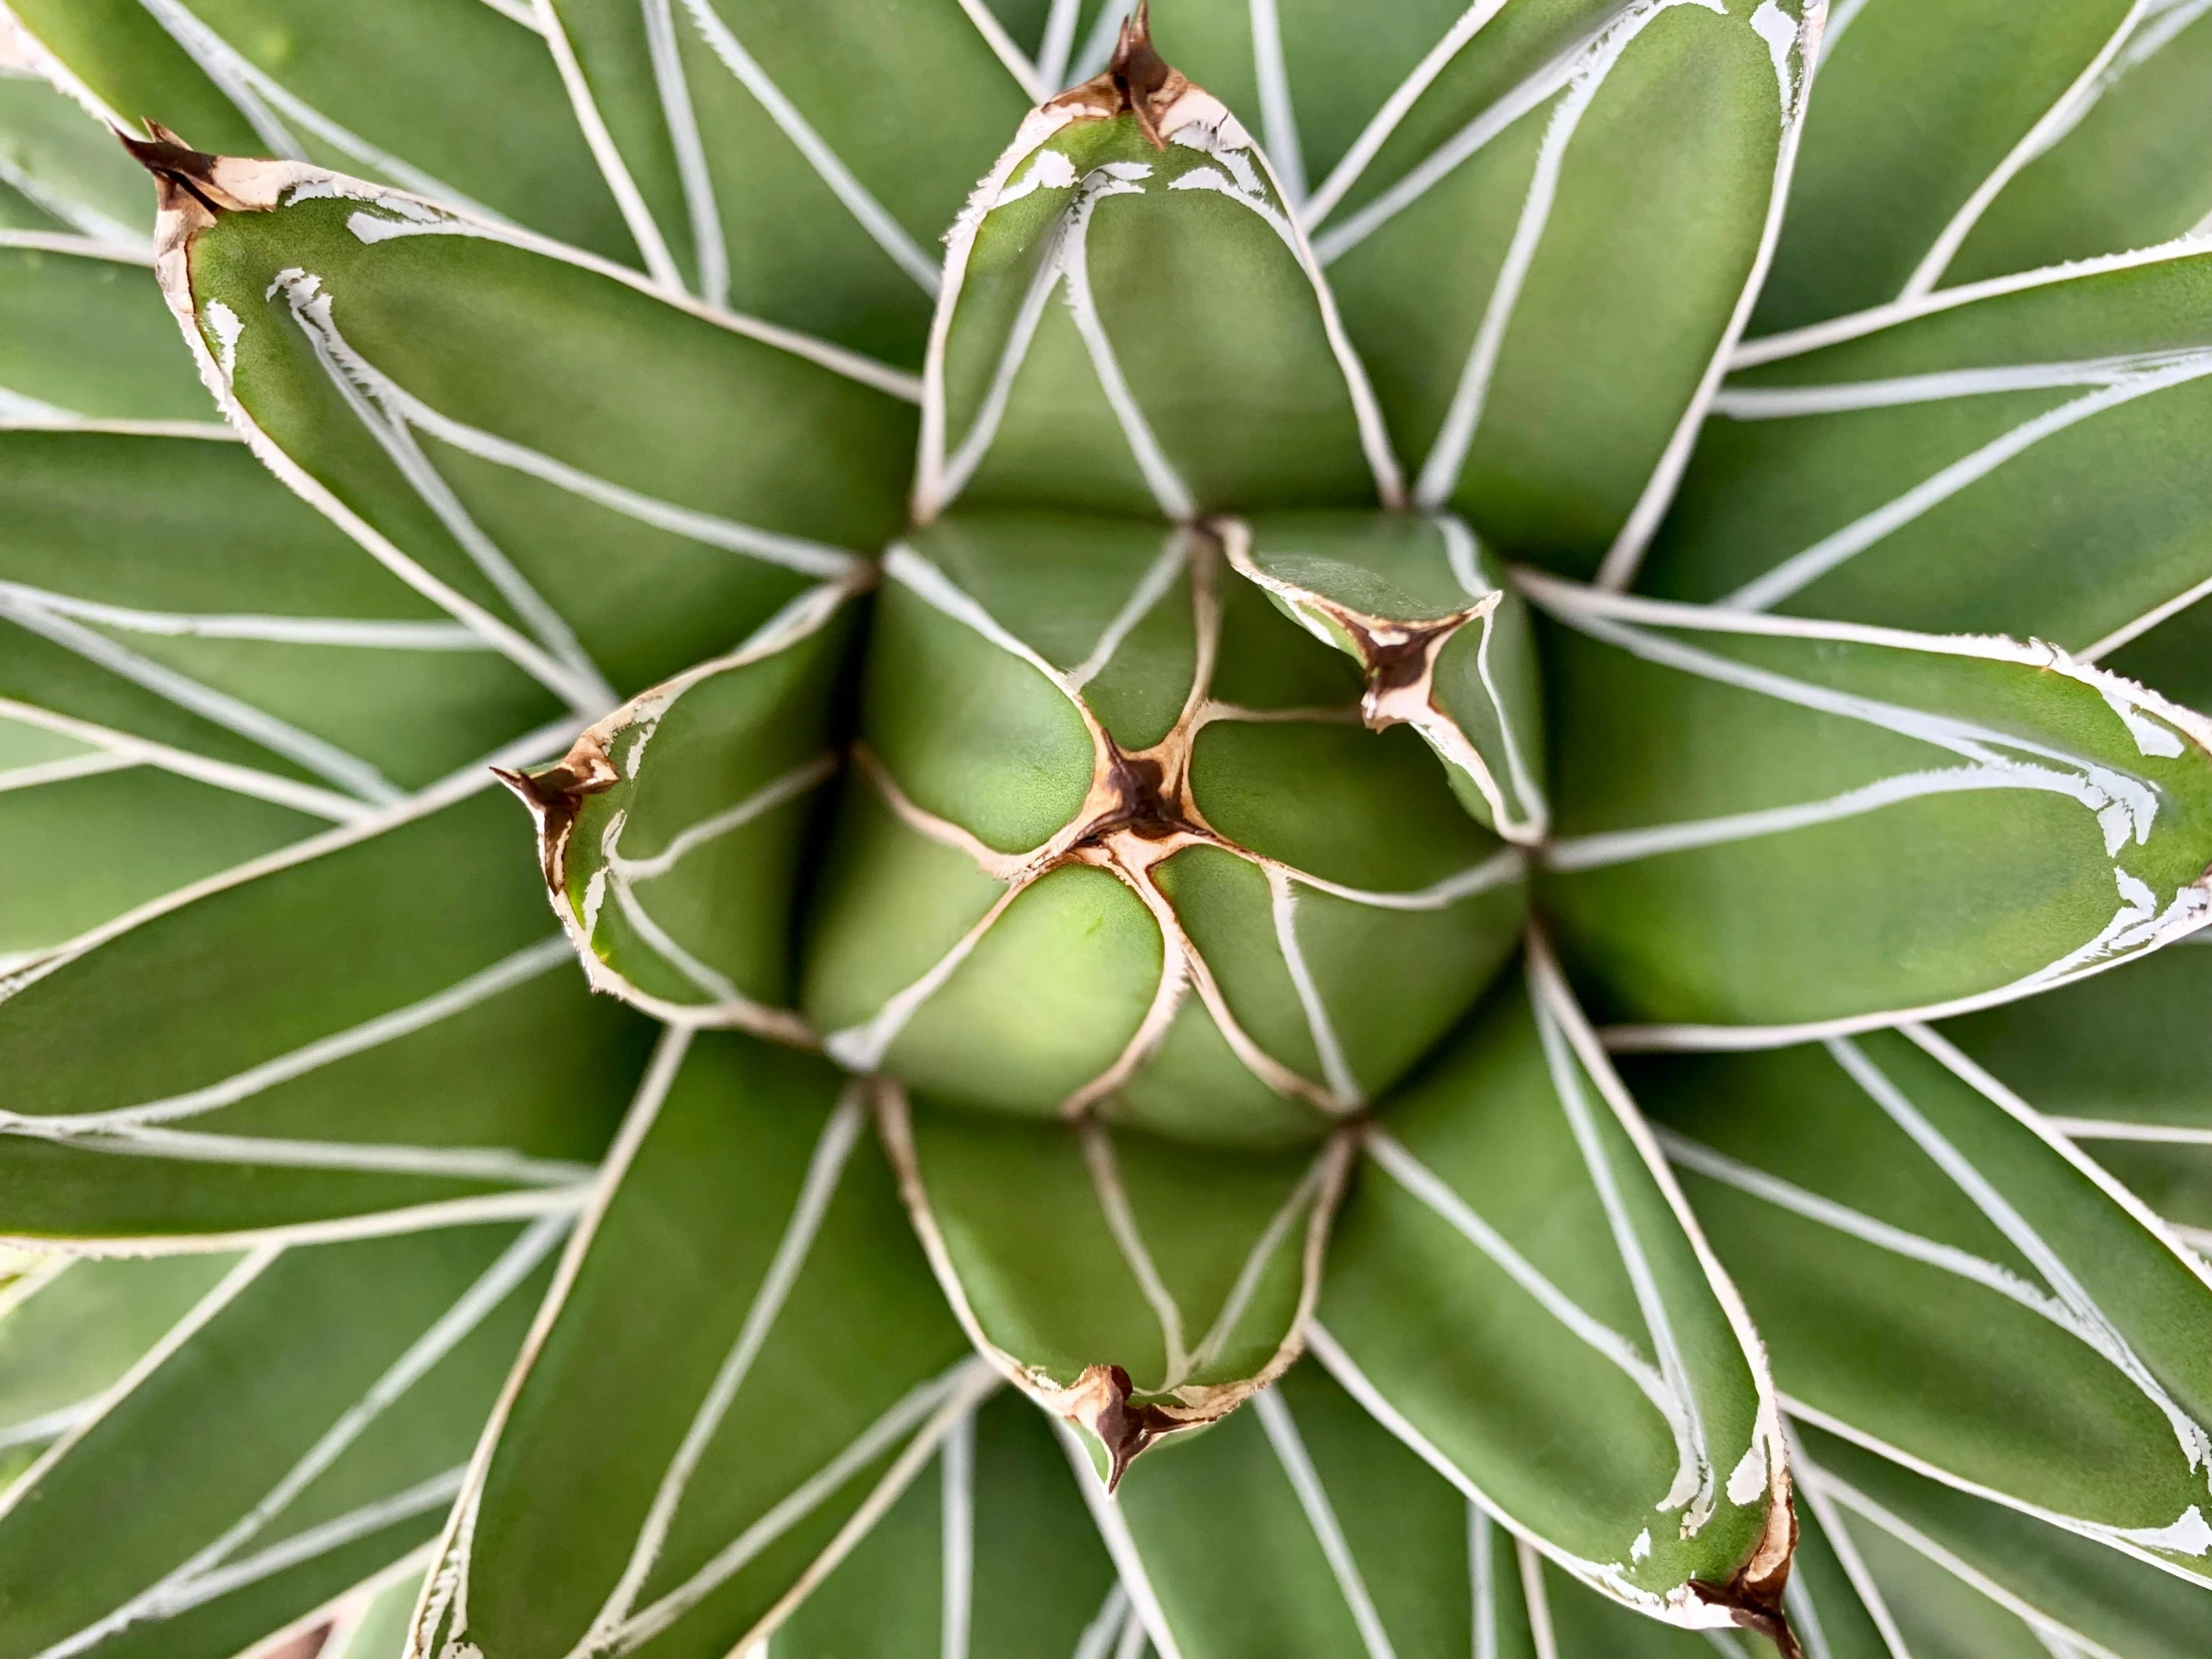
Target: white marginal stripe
<point>1802,569</point>
<point>956,1524</point>
<point>1256,1261</point>
<point>1153,586</point>
<point>824,1170</point>
<point>1440,474</point>
<point>1538,1600</point>
<point>1432,1189</point>
<point>1620,846</point>
<point>1694,1475</point>
<point>517,969</point>
<point>48,1426</point>
<point>1482,1585</point>
<point>1167,486</point>
<point>933,1406</point>
<point>2054,122</point>
<point>2098,1328</point>
<point>1846,1555</point>
<point>182,1588</point>
<point>257,725</point>
<point>1336,1070</point>
<point>1404,96</point>
<point>1529,94</point>
<point>702,975</point>
<point>358,382</point>
<point>1841,1491</point>
<point>1097,1640</point>
<point>66,768</point>
<point>1828,1211</point>
<point>1278,116</point>
<point>1057,43</point>
<point>1856,324</point>
<point>1313,1497</point>
<point>1121,1221</point>
<point>792,785</point>
<point>890,236</point>
<point>1938,385</point>
<point>358,632</point>
<point>1121,1545</point>
<point>635,215</point>
<point>709,246</point>
<point>1015,62</point>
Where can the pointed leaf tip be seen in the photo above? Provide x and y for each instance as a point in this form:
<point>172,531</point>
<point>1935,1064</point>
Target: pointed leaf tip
<point>556,794</point>
<point>1099,1401</point>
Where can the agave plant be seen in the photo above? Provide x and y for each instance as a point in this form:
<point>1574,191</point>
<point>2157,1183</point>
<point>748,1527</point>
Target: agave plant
<point>1391,880</point>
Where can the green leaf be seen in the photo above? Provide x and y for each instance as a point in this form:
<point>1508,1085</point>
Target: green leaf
<point>1944,1279</point>
<point>304,1426</point>
<point>1298,1527</point>
<point>72,1328</point>
<point>84,333</point>
<point>2127,167</point>
<point>456,100</point>
<point>2116,1064</point>
<point>796,160</point>
<point>1312,78</point>
<point>1836,1609</point>
<point>1132,1284</point>
<point>1545,250</point>
<point>215,1065</point>
<point>988,1554</point>
<point>1193,360</point>
<point>376,1628</point>
<point>1518,1291</point>
<point>1923,114</point>
<point>1771,829</point>
<point>1397,595</point>
<point>1939,464</point>
<point>606,485</point>
<point>2094,1599</point>
<point>746,1312</point>
<point>676,881</point>
<point>60,170</point>
<point>1115,839</point>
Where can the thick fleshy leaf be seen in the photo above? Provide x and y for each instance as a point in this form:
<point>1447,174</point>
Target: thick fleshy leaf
<point>1132,322</point>
<point>60,168</point>
<point>378,1627</point>
<point>84,336</point>
<point>677,881</point>
<point>2119,1064</point>
<point>329,1040</point>
<point>304,1426</point>
<point>795,158</point>
<point>398,93</point>
<point>1941,1277</point>
<point>1942,464</point>
<point>989,1554</point>
<point>2096,1601</point>
<point>1300,1529</point>
<point>2130,163</point>
<point>1547,241</point>
<point>1925,113</point>
<point>1117,838</point>
<point>1518,1289</point>
<point>72,1328</point>
<point>1133,1284</point>
<point>609,487</point>
<point>743,1364</point>
<point>1772,828</point>
<point>1444,644</point>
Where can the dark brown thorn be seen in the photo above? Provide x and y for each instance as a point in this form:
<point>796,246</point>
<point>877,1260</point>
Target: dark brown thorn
<point>1138,73</point>
<point>1126,1431</point>
<point>555,794</point>
<point>173,163</point>
<point>1753,1597</point>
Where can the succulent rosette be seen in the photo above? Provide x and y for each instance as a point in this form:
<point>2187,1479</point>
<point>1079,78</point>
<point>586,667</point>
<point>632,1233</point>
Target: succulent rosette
<point>1393,877</point>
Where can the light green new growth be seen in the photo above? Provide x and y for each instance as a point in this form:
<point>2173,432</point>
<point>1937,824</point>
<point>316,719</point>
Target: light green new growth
<point>1357,838</point>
